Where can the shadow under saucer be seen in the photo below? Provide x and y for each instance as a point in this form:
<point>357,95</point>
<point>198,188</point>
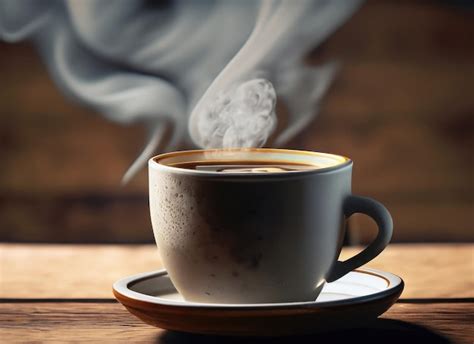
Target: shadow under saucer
<point>377,331</point>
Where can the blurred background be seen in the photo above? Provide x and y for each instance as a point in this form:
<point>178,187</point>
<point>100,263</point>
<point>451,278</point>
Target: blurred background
<point>402,108</point>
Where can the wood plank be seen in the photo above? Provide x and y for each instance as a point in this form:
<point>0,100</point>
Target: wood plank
<point>66,322</point>
<point>115,218</point>
<point>434,29</point>
<point>441,190</point>
<point>429,271</point>
<point>69,322</point>
<point>76,218</point>
<point>64,143</point>
<point>401,107</point>
<point>415,222</point>
<point>70,271</point>
<point>88,271</point>
<point>402,158</point>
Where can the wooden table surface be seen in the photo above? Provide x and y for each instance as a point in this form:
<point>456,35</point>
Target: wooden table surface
<point>62,293</point>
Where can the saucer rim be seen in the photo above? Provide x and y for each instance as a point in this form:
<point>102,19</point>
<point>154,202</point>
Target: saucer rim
<point>123,293</point>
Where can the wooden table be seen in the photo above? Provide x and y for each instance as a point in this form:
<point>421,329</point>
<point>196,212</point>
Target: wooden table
<point>63,293</point>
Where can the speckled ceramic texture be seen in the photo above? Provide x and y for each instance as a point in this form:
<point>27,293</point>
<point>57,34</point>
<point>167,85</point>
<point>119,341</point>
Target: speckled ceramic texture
<point>253,237</point>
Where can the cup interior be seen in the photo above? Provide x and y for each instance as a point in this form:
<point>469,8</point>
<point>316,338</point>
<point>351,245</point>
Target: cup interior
<point>280,156</point>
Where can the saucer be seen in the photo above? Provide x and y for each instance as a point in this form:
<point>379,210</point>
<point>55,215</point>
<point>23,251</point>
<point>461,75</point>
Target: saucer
<point>355,299</point>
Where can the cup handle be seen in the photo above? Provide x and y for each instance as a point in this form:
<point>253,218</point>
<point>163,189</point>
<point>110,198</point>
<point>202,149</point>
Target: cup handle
<point>357,204</point>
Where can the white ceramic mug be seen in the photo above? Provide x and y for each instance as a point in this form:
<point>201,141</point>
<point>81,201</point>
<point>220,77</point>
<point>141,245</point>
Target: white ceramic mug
<point>256,237</point>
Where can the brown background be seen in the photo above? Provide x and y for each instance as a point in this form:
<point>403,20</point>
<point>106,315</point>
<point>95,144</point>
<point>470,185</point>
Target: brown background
<point>402,107</point>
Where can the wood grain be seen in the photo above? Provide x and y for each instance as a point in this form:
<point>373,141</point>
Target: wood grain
<point>80,322</point>
<point>125,218</point>
<point>70,271</point>
<point>88,271</point>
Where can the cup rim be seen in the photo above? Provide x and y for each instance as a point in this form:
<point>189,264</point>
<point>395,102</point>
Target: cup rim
<point>153,162</point>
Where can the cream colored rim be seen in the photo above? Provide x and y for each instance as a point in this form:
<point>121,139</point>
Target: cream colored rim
<point>323,162</point>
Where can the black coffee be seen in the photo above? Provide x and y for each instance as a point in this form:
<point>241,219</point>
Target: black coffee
<point>238,166</point>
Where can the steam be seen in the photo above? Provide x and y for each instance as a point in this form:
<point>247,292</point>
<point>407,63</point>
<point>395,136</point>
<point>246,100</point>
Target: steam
<point>222,62</point>
<point>242,116</point>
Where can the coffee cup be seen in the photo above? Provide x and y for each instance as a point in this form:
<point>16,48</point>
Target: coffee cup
<point>245,226</point>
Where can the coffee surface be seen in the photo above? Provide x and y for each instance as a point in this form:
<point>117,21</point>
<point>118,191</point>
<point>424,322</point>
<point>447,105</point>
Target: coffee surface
<point>237,166</point>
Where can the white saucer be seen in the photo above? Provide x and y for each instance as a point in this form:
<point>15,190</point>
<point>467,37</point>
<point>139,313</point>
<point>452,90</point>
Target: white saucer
<point>358,297</point>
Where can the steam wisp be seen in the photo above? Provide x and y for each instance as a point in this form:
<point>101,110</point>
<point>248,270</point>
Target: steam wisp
<point>212,67</point>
